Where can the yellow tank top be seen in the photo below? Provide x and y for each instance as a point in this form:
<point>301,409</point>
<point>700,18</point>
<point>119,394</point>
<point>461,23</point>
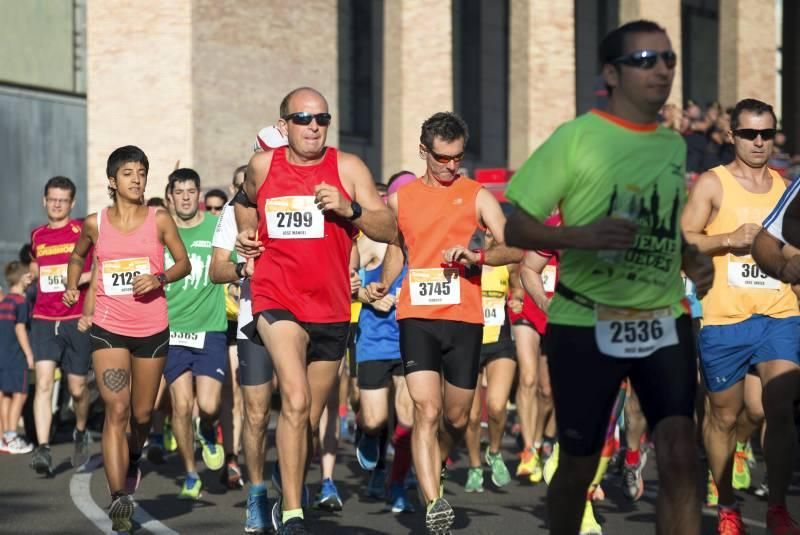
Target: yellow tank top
<point>494,290</point>
<point>355,311</point>
<point>232,302</point>
<point>740,289</point>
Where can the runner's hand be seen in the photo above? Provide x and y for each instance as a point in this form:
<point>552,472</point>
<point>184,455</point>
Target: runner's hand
<point>791,270</point>
<point>70,297</point>
<point>742,237</point>
<point>247,246</point>
<point>384,304</point>
<point>460,255</point>
<point>515,305</point>
<point>607,233</point>
<point>84,323</point>
<point>143,284</point>
<point>355,282</point>
<point>699,268</point>
<point>330,199</point>
<point>250,268</point>
<point>375,291</point>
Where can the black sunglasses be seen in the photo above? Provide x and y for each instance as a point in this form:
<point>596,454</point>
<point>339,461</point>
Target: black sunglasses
<point>212,208</point>
<point>647,59</point>
<point>751,134</point>
<point>304,118</point>
<point>443,158</point>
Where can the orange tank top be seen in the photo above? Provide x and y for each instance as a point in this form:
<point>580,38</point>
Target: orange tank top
<point>740,289</point>
<point>433,219</point>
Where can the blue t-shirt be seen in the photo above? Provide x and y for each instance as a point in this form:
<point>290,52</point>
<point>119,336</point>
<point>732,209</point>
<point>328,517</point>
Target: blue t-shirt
<point>13,310</point>
<point>378,335</point>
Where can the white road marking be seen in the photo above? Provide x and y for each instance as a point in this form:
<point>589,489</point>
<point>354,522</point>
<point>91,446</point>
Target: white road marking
<point>81,494</point>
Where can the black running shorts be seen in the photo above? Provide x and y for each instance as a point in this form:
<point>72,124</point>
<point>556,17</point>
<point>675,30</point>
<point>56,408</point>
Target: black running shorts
<point>327,341</point>
<point>152,346</point>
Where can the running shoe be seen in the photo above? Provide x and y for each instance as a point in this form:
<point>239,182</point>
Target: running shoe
<point>191,489</point>
<point>474,480</point>
<point>133,477</point>
<point>730,522</point>
<point>443,475</point>
<point>751,458</point>
<point>80,453</point>
<point>589,524</point>
<point>305,499</point>
<point>439,517</point>
<point>170,444</point>
<point>780,522</point>
<point>120,512</point>
<point>293,526</point>
<point>17,446</point>
<point>741,470</point>
<point>213,455</point>
<point>762,491</point>
<point>276,515</point>
<point>536,472</point>
<point>155,450</point>
<point>368,451</point>
<point>42,461</point>
<point>257,512</point>
<point>632,480</point>
<point>328,498</point>
<point>712,495</point>
<point>231,476</point>
<point>398,500</point>
<point>551,465</point>
<point>527,460</point>
<point>376,488</point>
<point>500,475</point>
<point>617,462</point>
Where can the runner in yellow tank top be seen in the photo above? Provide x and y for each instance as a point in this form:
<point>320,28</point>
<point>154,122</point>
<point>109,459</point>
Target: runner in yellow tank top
<point>750,319</point>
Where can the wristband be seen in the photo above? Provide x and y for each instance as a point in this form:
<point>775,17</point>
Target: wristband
<point>728,242</point>
<point>240,267</point>
<point>482,255</point>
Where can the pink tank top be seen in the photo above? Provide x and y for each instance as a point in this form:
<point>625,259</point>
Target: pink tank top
<point>120,257</point>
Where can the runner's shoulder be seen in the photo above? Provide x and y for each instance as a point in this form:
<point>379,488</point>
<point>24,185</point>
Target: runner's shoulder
<point>707,184</point>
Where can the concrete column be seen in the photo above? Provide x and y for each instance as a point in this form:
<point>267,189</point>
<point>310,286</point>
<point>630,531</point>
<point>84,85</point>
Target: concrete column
<point>667,13</point>
<point>747,69</point>
<point>417,76</point>
<point>541,73</point>
<point>139,88</point>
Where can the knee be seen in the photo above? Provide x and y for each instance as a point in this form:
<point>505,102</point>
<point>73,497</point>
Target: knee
<point>372,422</point>
<point>496,408</point>
<point>118,413</point>
<point>182,408</point>
<point>427,412</point>
<point>295,404</point>
<point>457,417</point>
<point>78,390</point>
<point>545,393</point>
<point>722,420</point>
<point>208,408</point>
<point>527,379</point>
<point>142,416</point>
<point>44,385</point>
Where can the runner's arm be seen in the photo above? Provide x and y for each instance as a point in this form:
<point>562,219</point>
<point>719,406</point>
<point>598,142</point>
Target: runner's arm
<point>531,270</point>
<point>526,232</point>
<point>21,331</point>
<point>697,214</point>
<point>247,243</point>
<point>78,258</point>
<point>393,260</point>
<point>768,253</point>
<point>516,291</point>
<point>376,221</point>
<point>223,268</point>
<point>491,216</point>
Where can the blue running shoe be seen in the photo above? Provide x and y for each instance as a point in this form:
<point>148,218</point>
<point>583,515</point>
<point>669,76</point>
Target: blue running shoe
<point>398,501</point>
<point>368,451</point>
<point>256,520</point>
<point>328,498</point>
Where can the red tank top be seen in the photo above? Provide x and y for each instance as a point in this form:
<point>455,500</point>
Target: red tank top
<point>433,219</point>
<point>305,267</point>
<point>120,257</point>
<point>51,248</point>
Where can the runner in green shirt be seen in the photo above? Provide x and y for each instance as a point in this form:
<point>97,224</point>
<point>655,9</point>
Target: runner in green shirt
<point>618,180</point>
<point>198,351</point>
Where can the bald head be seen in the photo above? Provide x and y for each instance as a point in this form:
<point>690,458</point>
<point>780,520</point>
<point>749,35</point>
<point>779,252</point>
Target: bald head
<point>297,94</point>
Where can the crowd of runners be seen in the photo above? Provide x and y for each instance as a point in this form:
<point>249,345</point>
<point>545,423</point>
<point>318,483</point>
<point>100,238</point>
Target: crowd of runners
<point>622,318</point>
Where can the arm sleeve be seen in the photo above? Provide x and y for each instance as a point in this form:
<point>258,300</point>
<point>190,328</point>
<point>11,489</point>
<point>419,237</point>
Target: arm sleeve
<point>545,178</point>
<point>226,230</point>
<point>773,224</point>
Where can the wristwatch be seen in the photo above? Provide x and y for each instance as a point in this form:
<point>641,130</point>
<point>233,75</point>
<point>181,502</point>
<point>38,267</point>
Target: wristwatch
<point>240,270</point>
<point>162,278</point>
<point>356,211</point>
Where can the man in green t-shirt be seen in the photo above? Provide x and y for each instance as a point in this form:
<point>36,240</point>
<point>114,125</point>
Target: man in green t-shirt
<point>197,323</point>
<point>618,179</point>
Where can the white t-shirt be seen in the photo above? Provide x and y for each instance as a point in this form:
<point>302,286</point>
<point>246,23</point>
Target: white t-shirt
<point>774,221</point>
<point>225,238</point>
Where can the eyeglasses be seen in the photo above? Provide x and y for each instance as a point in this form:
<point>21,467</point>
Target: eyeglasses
<point>751,134</point>
<point>444,158</point>
<point>57,201</point>
<point>304,118</point>
<point>212,208</point>
<point>647,59</point>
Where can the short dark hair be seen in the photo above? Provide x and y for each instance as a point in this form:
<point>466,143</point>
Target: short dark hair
<point>755,107</point>
<point>445,125</point>
<point>614,43</point>
<point>25,254</point>
<point>156,201</point>
<point>121,156</point>
<point>14,272</point>
<point>60,182</point>
<point>240,169</point>
<point>216,193</point>
<point>284,110</point>
<point>184,174</point>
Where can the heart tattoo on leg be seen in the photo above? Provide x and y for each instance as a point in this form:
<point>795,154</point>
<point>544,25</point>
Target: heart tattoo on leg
<point>115,379</point>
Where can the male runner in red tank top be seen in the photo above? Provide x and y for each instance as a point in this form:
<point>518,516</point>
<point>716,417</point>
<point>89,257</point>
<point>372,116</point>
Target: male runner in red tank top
<point>307,201</point>
<point>440,309</point>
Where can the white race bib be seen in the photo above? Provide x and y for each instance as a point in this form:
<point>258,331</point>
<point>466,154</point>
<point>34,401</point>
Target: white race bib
<point>51,278</point>
<point>746,274</point>
<point>631,333</point>
<point>549,278</point>
<point>494,311</point>
<point>193,340</point>
<point>118,275</point>
<point>293,218</point>
<point>437,286</point>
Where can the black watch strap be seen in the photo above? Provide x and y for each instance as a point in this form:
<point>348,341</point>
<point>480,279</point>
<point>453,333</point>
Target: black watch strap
<point>356,211</point>
<point>240,269</point>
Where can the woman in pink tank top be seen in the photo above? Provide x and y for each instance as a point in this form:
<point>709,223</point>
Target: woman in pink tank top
<point>127,313</point>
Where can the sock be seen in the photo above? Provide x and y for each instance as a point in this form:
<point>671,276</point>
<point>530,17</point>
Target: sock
<point>537,445</point>
<point>294,513</point>
<point>192,475</point>
<point>257,488</point>
<point>9,435</point>
<point>383,439</point>
<point>44,445</point>
<point>342,411</point>
<point>632,457</point>
<point>401,439</point>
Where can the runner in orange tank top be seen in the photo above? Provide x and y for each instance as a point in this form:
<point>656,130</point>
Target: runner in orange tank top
<point>440,309</point>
